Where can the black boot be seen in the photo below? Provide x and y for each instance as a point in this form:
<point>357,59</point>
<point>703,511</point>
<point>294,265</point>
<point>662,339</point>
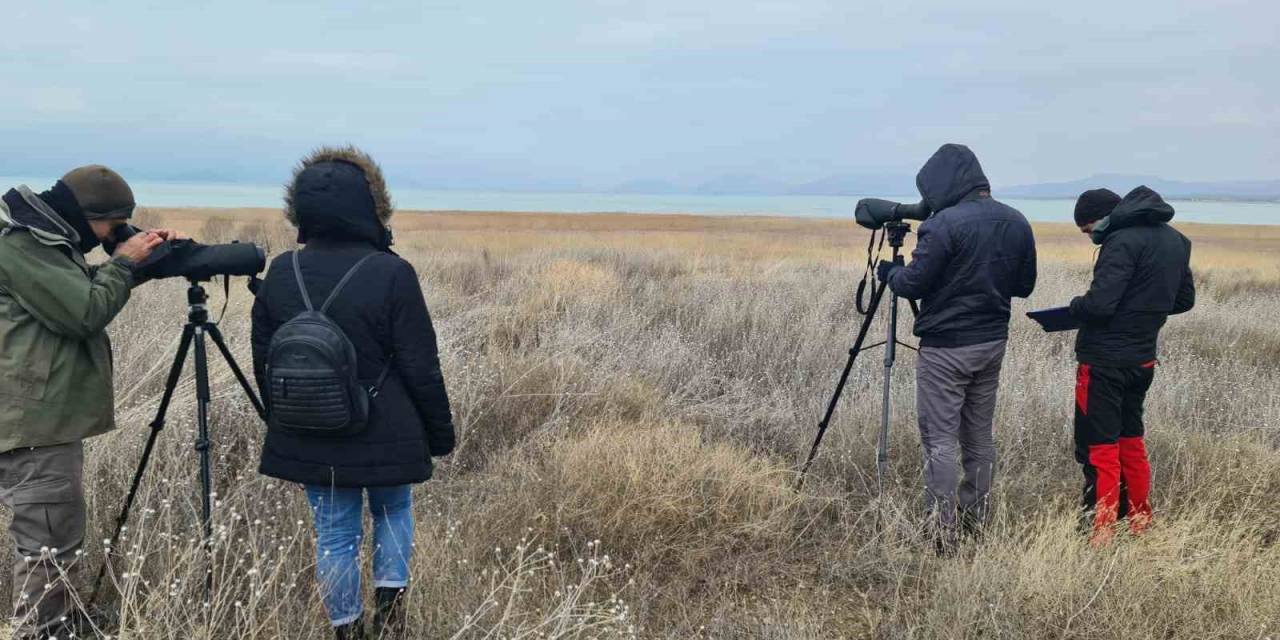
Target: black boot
<point>946,546</point>
<point>74,625</point>
<point>971,527</point>
<point>350,631</point>
<point>946,541</point>
<point>389,620</point>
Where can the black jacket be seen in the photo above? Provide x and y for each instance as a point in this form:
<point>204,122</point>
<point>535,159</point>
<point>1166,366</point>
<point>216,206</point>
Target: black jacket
<point>1143,274</point>
<point>971,257</point>
<point>383,312</point>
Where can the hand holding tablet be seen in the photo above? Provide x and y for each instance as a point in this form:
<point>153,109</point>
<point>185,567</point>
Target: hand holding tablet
<point>1055,319</point>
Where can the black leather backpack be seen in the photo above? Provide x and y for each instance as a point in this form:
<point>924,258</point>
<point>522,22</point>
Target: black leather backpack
<point>314,388</point>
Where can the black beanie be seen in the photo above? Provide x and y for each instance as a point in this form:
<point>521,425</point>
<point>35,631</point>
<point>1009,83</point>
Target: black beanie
<point>1094,205</point>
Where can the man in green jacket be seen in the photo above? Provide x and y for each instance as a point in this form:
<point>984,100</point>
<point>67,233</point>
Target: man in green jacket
<point>55,373</point>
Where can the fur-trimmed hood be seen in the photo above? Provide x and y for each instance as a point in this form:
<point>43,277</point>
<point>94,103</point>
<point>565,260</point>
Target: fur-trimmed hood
<point>339,193</point>
<point>350,155</point>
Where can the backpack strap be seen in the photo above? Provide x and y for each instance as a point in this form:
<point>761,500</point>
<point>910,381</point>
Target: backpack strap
<point>382,377</point>
<point>302,286</point>
<point>343,282</point>
<point>306,299</point>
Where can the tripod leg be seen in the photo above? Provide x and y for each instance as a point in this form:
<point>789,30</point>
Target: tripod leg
<point>216,334</point>
<point>202,449</point>
<point>844,378</point>
<point>157,425</point>
<point>890,357</point>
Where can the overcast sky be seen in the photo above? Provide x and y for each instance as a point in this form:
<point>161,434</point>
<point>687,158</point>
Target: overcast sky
<point>582,93</point>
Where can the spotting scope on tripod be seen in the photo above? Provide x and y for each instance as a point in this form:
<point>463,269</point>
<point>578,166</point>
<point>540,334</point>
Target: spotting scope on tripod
<point>198,264</point>
<point>886,220</point>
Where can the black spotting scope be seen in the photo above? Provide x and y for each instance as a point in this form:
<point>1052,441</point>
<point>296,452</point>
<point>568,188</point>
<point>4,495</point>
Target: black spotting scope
<point>191,260</point>
<point>873,213</point>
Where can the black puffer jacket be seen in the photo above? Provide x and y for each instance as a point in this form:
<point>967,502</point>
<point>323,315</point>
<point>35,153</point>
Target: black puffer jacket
<point>971,257</point>
<point>381,310</point>
<point>1143,275</point>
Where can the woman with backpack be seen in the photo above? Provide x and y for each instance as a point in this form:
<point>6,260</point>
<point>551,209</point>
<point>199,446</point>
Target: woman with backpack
<point>346,359</point>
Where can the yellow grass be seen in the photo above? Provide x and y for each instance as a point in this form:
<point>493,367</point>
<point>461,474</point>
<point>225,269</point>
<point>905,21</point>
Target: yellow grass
<point>1254,248</point>
<point>633,395</point>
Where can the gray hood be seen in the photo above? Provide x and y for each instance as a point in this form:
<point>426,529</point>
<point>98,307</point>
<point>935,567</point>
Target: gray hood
<point>38,218</point>
<point>949,175</point>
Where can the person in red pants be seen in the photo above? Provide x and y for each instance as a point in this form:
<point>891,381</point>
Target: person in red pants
<point>1141,277</point>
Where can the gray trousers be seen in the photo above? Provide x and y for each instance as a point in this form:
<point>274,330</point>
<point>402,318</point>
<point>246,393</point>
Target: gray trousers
<point>44,487</point>
<point>956,401</point>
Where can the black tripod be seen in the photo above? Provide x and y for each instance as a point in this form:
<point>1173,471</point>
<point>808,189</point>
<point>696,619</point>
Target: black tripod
<point>193,333</point>
<point>896,232</point>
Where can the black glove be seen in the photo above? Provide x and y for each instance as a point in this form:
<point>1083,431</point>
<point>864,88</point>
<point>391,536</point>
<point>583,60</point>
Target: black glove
<point>885,270</point>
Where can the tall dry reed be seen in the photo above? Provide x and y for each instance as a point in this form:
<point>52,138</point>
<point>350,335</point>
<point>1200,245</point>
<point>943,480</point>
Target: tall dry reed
<point>632,404</point>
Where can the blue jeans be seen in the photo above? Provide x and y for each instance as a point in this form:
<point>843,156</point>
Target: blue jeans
<point>338,513</point>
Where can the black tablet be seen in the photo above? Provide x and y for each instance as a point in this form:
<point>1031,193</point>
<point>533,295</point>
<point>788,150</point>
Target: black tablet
<point>1055,319</point>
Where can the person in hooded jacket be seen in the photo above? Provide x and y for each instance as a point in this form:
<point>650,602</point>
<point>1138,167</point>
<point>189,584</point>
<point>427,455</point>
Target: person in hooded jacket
<point>971,257</point>
<point>1141,277</point>
<point>340,205</point>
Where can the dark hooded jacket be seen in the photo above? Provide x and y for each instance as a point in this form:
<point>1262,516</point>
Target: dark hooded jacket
<point>972,255</point>
<point>341,207</point>
<point>1143,274</point>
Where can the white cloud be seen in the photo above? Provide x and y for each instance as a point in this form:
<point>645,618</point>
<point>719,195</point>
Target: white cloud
<point>342,61</point>
<point>53,101</point>
<point>682,87</point>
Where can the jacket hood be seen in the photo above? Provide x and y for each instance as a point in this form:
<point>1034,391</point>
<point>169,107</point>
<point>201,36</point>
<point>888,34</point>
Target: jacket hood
<point>22,209</point>
<point>1141,207</point>
<point>949,175</point>
<point>339,193</point>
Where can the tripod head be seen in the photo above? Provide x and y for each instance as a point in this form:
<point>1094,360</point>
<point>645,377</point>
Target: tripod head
<point>197,297</point>
<point>896,232</point>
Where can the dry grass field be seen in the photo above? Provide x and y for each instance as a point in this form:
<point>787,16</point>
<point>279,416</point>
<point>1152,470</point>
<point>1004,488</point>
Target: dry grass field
<point>634,394</point>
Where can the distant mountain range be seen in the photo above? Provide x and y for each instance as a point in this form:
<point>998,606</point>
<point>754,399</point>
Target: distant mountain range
<point>750,184</point>
<point>1122,183</point>
<point>899,185</point>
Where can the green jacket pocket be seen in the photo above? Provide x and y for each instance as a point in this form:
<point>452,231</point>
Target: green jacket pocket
<point>47,492</point>
<point>26,353</point>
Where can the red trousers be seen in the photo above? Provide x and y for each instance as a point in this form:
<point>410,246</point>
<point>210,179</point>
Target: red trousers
<point>1109,444</point>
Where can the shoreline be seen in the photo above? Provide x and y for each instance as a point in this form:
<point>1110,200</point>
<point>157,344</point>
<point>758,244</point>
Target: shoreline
<point>636,215</point>
<point>823,207</point>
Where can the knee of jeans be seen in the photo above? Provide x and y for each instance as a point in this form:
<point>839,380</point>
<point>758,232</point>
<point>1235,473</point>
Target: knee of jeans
<point>981,455</point>
<point>336,542</point>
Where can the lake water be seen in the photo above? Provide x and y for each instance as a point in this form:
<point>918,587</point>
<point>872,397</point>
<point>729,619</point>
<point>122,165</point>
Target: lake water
<point>174,194</point>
